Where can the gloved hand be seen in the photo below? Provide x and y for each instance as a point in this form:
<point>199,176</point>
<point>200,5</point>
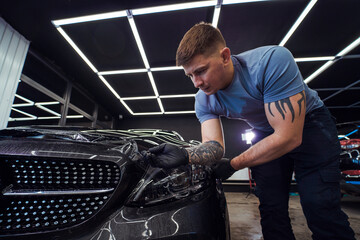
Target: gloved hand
<point>168,156</point>
<point>222,169</point>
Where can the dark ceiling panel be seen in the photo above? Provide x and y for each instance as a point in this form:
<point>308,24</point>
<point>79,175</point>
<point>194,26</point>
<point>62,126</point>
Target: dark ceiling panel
<point>307,68</point>
<point>162,32</point>
<point>340,74</point>
<point>251,25</point>
<point>173,82</point>
<point>31,93</point>
<point>178,104</point>
<point>345,98</point>
<point>148,105</point>
<point>38,72</point>
<point>330,27</point>
<point>108,44</point>
<point>131,85</point>
<point>82,102</point>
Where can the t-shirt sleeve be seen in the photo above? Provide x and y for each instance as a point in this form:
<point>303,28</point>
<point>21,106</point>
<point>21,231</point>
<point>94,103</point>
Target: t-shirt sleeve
<point>201,109</point>
<point>280,75</point>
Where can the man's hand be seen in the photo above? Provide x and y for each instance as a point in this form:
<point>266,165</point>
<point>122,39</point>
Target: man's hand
<point>222,169</point>
<point>168,156</point>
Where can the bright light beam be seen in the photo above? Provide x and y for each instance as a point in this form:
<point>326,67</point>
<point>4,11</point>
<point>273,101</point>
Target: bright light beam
<point>298,22</point>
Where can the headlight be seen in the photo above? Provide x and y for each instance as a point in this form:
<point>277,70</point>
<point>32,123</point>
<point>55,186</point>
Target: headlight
<point>160,186</point>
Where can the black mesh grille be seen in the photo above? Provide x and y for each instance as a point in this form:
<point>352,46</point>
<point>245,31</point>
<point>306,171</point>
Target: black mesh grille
<point>32,214</point>
<point>52,174</point>
<point>45,194</point>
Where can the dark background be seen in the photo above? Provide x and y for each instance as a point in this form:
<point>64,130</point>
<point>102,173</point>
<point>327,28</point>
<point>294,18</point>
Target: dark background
<point>109,44</point>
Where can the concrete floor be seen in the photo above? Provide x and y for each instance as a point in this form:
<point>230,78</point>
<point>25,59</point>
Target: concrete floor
<point>245,218</point>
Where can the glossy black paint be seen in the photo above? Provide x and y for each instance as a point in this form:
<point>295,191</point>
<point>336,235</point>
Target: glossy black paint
<point>201,214</point>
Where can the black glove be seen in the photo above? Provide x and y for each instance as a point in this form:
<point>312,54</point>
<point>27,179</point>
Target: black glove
<point>167,156</point>
<point>222,169</point>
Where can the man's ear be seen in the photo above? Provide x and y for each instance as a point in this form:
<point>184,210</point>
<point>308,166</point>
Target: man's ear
<point>225,55</point>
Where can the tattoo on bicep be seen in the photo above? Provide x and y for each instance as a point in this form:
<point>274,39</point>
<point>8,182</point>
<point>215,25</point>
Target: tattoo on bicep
<point>302,99</point>
<point>280,106</point>
<point>206,153</point>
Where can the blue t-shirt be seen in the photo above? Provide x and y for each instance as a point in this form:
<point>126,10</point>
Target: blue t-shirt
<point>262,75</point>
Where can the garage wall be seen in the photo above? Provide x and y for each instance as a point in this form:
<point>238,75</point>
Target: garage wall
<point>13,49</point>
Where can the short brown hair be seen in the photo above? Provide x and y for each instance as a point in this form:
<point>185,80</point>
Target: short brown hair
<point>202,38</point>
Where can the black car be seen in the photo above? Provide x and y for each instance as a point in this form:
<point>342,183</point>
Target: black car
<point>349,136</point>
<point>71,183</point>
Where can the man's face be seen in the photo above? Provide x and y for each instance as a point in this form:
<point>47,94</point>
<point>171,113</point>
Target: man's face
<point>207,73</point>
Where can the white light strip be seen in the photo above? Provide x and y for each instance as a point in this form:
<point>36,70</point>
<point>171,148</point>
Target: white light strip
<point>180,112</point>
<point>89,18</point>
<point>138,98</point>
<point>126,106</point>
<point>152,81</point>
<point>25,113</point>
<point>313,59</point>
<point>138,41</point>
<point>226,2</point>
<point>81,54</point>
<point>47,118</point>
<point>298,21</point>
<point>178,96</point>
<point>48,103</point>
<point>329,63</point>
<point>24,99</point>
<point>157,69</point>
<point>160,105</point>
<point>216,16</point>
<point>75,116</point>
<point>21,119</point>
<point>123,71</point>
<point>23,104</point>
<point>349,48</point>
<point>173,7</point>
<point>147,113</point>
<point>317,72</point>
<point>109,86</point>
<point>47,110</point>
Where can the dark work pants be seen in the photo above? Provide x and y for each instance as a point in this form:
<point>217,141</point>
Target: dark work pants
<point>316,166</point>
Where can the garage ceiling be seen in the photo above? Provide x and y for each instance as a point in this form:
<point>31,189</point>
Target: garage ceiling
<point>123,52</point>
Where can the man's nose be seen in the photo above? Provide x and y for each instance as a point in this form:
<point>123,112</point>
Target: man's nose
<point>197,81</point>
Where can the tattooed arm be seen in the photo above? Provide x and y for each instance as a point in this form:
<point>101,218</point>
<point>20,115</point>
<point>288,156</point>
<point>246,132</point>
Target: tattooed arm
<point>212,148</point>
<point>286,117</point>
<point>206,153</point>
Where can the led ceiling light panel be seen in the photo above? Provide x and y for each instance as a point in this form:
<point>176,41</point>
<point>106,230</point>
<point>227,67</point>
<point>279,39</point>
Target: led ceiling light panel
<point>77,49</point>
<point>158,69</point>
<point>38,105</point>
<point>115,72</point>
<point>226,2</point>
<point>216,15</point>
<point>180,112</point>
<point>28,102</point>
<point>88,18</point>
<point>314,59</point>
<point>346,50</point>
<point>138,98</point>
<point>130,16</point>
<point>298,22</point>
<point>178,96</point>
<point>174,7</point>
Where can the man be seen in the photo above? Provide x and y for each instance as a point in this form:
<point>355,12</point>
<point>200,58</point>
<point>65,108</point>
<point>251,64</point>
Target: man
<point>294,131</point>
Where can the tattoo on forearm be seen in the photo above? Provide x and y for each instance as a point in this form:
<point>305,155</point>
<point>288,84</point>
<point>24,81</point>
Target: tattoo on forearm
<point>280,106</point>
<point>206,153</point>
